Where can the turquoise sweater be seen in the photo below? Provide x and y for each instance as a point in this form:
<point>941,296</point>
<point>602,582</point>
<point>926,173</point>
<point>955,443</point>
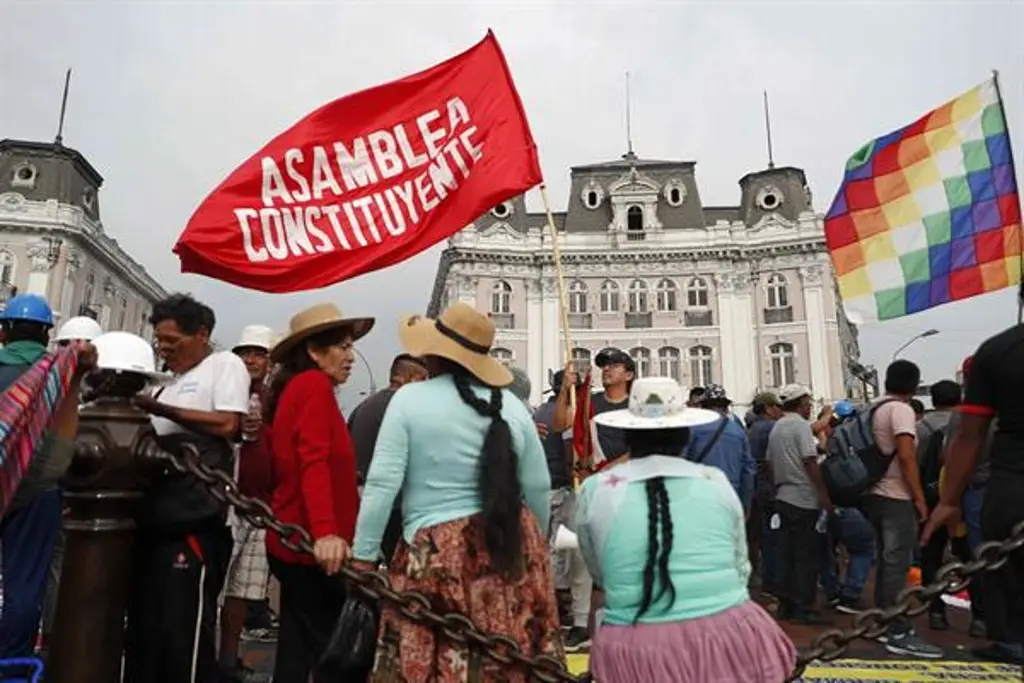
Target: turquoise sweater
<point>428,451</point>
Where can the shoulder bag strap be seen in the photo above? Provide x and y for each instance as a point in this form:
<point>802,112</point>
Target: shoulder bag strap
<point>714,439</point>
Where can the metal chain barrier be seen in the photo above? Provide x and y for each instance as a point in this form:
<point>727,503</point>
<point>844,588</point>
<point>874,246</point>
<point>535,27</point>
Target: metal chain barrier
<point>870,624</point>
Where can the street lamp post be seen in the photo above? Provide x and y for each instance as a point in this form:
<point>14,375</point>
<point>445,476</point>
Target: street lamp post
<point>369,370</point>
<point>927,333</point>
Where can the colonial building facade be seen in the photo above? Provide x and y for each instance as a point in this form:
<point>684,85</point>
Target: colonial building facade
<point>741,296</point>
<point>52,241</point>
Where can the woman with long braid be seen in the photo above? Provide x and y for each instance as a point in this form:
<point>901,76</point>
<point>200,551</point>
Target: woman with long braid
<point>676,606</point>
<point>465,455</point>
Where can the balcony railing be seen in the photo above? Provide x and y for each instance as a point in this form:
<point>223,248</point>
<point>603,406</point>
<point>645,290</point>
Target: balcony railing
<point>635,235</point>
<point>638,320</point>
<point>774,316</point>
<point>580,321</point>
<point>503,321</point>
<point>698,318</point>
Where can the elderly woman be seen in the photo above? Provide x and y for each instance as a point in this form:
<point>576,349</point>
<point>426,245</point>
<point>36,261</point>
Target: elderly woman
<point>465,454</point>
<point>315,480</point>
<point>676,601</point>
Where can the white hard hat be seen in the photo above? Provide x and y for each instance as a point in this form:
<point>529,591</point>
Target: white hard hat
<point>255,337</point>
<point>81,327</point>
<point>126,352</point>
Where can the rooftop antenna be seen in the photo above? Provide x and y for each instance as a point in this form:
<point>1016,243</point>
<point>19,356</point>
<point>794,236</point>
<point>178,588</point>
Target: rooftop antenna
<point>59,140</point>
<point>768,131</point>
<point>629,122</point>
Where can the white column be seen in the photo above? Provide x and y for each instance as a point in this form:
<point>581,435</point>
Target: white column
<point>551,339</point>
<point>745,347</point>
<point>534,340</point>
<point>39,270</point>
<point>814,312</point>
<point>728,331</point>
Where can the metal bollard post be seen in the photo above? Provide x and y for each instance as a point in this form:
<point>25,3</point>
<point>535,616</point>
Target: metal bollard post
<point>102,487</point>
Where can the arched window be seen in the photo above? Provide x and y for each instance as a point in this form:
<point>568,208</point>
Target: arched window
<point>501,297</point>
<point>7,263</point>
<point>666,295</point>
<point>777,292</point>
<point>783,364</point>
<point>122,312</point>
<point>668,362</point>
<point>581,359</point>
<point>635,221</point>
<point>642,358</point>
<point>638,296</point>
<point>503,356</point>
<point>609,296</point>
<point>577,297</point>
<point>701,366</point>
<point>697,293</point>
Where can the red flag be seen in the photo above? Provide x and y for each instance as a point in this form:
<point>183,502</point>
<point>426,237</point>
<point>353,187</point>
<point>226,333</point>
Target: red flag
<point>582,438</point>
<point>368,180</point>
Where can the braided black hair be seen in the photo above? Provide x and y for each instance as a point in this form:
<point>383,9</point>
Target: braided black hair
<point>659,518</point>
<point>498,481</point>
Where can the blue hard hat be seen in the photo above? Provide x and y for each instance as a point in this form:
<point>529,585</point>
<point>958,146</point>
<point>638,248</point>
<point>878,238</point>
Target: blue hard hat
<point>844,408</point>
<point>30,308</point>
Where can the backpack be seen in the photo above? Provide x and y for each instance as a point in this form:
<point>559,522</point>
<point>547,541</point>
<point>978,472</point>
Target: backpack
<point>853,461</point>
<point>931,466</point>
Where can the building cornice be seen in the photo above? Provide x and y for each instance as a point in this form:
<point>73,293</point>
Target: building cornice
<point>53,218</point>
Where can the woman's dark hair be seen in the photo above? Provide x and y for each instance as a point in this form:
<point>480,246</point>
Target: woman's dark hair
<point>498,478</point>
<point>642,443</point>
<point>295,362</point>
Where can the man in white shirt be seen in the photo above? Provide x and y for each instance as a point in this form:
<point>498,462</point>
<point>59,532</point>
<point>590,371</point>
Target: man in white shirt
<point>184,544</point>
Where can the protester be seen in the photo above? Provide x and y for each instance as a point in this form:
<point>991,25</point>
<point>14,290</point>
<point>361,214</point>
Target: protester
<point>994,377</point>
<point>245,588</point>
<point>677,608</point>
<point>695,397</point>
<point>469,464</point>
<point>364,425</point>
<point>762,541</point>
<point>800,500</point>
<point>521,386</point>
<point>896,505</point>
<point>183,544</point>
<point>30,524</point>
<point>315,481</point>
<point>723,444</point>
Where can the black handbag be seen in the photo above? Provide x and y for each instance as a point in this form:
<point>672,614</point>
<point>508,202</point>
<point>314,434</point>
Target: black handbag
<point>353,643</point>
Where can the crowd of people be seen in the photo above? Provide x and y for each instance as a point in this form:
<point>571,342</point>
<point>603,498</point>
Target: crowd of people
<point>677,510</point>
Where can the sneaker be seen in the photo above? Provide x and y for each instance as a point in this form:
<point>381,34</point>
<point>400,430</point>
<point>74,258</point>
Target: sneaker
<point>848,606</point>
<point>937,621</point>
<point>259,635</point>
<point>577,639</point>
<point>977,629</point>
<point>911,644</point>
<point>998,652</point>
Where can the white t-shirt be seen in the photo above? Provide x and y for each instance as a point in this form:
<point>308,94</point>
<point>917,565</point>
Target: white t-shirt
<point>219,383</point>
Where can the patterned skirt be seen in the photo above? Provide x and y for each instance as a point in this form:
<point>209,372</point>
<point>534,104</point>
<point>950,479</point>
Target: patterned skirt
<point>449,564</point>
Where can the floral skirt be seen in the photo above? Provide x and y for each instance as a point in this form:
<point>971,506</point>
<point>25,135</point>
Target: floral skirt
<point>449,564</point>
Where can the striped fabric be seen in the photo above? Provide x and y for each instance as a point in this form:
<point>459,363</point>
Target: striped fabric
<point>26,411</point>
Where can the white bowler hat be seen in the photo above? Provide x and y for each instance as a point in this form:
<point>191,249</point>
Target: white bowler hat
<point>656,403</point>
<point>255,337</point>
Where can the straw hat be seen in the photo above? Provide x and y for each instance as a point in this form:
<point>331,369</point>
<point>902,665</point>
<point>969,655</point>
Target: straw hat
<point>314,320</point>
<point>463,336</point>
<point>656,403</point>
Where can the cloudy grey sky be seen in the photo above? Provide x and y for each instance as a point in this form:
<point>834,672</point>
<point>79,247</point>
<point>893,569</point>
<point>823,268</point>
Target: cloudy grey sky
<point>168,97</point>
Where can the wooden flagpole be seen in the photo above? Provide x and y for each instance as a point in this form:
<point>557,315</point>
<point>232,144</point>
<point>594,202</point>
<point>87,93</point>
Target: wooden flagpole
<point>563,301</point>
<point>1013,170</point>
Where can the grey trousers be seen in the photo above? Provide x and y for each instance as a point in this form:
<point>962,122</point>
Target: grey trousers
<point>895,525</point>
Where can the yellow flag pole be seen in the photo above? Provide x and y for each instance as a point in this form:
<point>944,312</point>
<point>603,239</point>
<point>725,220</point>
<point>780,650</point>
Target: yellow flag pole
<point>563,301</point>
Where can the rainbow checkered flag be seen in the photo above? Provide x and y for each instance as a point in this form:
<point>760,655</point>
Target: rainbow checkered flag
<point>929,213</point>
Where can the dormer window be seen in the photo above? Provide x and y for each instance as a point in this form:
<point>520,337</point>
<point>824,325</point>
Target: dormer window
<point>675,192</point>
<point>503,210</point>
<point>24,176</point>
<point>592,199</point>
<point>88,198</point>
<point>592,195</point>
<point>635,223</point>
<point>769,198</point>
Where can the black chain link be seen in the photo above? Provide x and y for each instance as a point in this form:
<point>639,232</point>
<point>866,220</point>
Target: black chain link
<point>456,627</point>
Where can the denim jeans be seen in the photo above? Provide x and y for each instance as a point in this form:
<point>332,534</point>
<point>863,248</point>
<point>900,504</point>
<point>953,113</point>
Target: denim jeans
<point>895,524</point>
<point>848,528</point>
<point>971,505</point>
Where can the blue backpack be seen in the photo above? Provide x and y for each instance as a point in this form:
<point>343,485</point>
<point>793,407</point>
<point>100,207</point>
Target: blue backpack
<point>853,461</point>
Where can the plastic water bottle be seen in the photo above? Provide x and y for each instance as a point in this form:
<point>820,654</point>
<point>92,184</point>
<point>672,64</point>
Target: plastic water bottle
<point>255,408</point>
<point>822,525</point>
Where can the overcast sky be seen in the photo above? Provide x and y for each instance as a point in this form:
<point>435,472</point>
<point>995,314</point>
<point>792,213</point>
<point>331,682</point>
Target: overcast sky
<point>169,97</point>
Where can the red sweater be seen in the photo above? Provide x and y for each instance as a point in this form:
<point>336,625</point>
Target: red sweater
<point>314,464</point>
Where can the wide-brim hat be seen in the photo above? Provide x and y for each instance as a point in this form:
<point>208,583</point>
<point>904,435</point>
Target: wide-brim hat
<point>656,403</point>
<point>314,320</point>
<point>461,335</point>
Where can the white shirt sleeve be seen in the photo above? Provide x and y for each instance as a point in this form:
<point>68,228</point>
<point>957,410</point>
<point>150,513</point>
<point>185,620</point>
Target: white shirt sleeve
<point>231,384</point>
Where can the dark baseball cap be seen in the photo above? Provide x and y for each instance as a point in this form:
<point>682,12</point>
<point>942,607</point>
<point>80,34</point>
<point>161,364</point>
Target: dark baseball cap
<point>615,357</point>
